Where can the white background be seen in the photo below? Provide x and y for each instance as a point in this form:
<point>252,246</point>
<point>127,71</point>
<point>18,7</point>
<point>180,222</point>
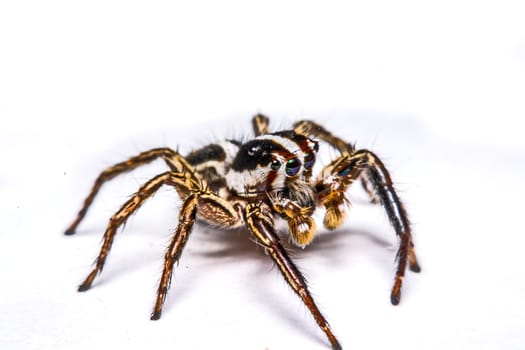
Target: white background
<point>436,89</point>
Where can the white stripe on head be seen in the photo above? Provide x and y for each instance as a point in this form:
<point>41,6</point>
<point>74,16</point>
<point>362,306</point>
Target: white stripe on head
<point>286,143</point>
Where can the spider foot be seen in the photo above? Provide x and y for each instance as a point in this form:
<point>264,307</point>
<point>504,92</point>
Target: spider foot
<point>337,346</point>
<point>84,286</point>
<point>395,299</point>
<point>395,296</point>
<point>331,337</point>
<point>88,281</point>
<point>155,315</point>
<point>73,227</point>
<point>69,232</point>
<point>415,267</point>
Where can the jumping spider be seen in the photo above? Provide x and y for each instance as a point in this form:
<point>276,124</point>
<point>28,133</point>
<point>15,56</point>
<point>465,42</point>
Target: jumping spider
<point>252,184</point>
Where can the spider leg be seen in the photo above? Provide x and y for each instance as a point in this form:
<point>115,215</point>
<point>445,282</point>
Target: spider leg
<point>261,226</point>
<point>331,185</point>
<point>384,188</point>
<point>174,160</point>
<point>301,225</point>
<point>201,201</point>
<point>260,124</point>
<point>120,217</point>
<point>369,188</point>
<point>312,129</point>
<point>348,168</point>
<point>173,253</point>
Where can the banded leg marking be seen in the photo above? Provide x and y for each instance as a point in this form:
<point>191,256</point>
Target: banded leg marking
<point>261,226</point>
<point>120,217</point>
<point>349,167</point>
<point>260,124</point>
<point>173,159</point>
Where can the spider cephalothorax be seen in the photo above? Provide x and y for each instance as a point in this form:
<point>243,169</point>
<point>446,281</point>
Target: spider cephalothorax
<point>232,184</point>
<point>276,168</point>
<point>270,162</point>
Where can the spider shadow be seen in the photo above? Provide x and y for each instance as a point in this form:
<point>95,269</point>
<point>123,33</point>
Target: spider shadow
<point>237,245</point>
<point>125,257</point>
<point>212,246</point>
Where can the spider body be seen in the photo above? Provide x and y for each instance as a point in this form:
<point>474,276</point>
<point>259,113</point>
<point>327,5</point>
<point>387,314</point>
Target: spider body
<point>252,184</point>
<point>272,169</point>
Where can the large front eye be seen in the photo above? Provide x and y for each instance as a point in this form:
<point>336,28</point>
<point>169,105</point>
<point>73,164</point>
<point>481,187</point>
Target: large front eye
<point>292,167</point>
<point>309,160</point>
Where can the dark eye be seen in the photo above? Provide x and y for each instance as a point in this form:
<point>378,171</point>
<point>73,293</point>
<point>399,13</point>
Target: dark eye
<point>275,165</point>
<point>253,150</point>
<point>309,160</point>
<point>292,167</point>
<point>344,172</point>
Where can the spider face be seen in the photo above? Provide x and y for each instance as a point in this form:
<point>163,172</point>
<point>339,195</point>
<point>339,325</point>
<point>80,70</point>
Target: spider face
<point>271,162</point>
<point>233,184</point>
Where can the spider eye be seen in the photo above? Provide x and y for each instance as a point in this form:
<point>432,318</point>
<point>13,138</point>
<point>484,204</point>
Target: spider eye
<point>275,165</point>
<point>344,172</point>
<point>253,150</point>
<point>309,160</point>
<point>292,167</point>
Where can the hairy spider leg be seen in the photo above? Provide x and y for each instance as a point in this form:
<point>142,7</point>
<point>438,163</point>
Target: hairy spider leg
<point>174,251</point>
<point>377,182</point>
<point>369,187</point>
<point>173,159</point>
<point>130,206</point>
<point>301,225</point>
<point>261,225</point>
<point>260,124</point>
<point>384,188</point>
<point>197,200</point>
<point>349,167</point>
<point>331,185</point>
<point>312,129</point>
